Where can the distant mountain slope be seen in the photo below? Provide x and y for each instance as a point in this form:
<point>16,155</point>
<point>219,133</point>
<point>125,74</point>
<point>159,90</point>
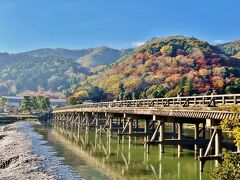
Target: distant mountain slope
<point>41,73</point>
<point>86,57</point>
<point>164,66</point>
<point>7,59</point>
<point>230,48</point>
<point>102,56</point>
<point>52,69</point>
<point>58,52</point>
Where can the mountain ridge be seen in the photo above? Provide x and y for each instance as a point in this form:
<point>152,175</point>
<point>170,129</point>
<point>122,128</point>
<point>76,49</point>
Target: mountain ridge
<point>163,66</point>
<point>158,61</point>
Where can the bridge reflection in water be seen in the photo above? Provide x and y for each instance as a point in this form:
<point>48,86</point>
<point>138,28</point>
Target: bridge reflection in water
<point>125,160</point>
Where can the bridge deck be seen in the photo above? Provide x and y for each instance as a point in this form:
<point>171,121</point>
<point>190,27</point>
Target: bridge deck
<point>204,107</point>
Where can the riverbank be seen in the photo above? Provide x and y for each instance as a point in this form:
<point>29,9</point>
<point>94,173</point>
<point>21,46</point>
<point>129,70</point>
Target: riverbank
<point>24,155</point>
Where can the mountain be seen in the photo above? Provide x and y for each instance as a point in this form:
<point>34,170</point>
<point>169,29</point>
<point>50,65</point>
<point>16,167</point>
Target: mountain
<point>41,73</point>
<point>163,67</point>
<point>86,57</point>
<point>8,59</point>
<point>102,56</point>
<point>230,48</point>
<point>58,52</point>
<point>52,69</point>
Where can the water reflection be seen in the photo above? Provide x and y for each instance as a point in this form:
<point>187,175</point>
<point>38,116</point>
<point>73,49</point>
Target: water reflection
<point>126,160</point>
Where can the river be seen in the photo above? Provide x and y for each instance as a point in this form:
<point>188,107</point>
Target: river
<point>96,156</point>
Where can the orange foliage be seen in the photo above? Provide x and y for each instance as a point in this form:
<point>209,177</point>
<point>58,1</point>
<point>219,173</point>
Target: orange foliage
<point>218,82</point>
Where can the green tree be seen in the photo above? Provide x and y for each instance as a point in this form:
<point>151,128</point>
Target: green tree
<point>121,96</point>
<point>72,101</point>
<point>230,167</point>
<point>127,96</point>
<point>96,94</point>
<point>156,91</point>
<point>35,103</point>
<point>26,104</point>
<point>43,103</point>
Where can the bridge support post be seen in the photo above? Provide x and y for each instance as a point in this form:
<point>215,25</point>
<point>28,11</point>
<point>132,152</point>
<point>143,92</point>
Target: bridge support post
<point>238,148</point>
<point>204,131</point>
<point>180,131</point>
<point>136,123</point>
<point>74,120</point>
<point>87,121</point>
<point>130,129</point>
<point>173,130</point>
<point>66,120</point>
<point>97,121</point>
<point>196,135</point>
<point>218,144</point>
<point>124,119</point>
<point>120,122</point>
<point>201,162</point>
<point>110,122</point>
<point>146,130</point>
<point>79,120</point>
<point>161,135</point>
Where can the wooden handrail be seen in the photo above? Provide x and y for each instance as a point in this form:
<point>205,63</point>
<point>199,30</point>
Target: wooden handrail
<point>175,101</point>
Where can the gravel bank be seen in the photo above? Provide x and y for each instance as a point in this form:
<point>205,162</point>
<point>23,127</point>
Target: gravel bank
<point>23,155</point>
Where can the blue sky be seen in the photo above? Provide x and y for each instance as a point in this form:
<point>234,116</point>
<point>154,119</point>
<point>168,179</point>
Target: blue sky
<point>32,24</point>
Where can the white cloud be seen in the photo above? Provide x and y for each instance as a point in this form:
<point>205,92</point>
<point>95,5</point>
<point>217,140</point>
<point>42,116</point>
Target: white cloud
<point>137,43</point>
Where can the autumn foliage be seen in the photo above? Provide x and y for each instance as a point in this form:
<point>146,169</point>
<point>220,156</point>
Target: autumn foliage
<point>162,67</point>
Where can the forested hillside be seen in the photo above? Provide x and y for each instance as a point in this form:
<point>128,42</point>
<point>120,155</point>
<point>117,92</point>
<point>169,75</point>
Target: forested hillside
<point>45,74</point>
<point>164,67</point>
<point>102,56</point>
<point>86,57</point>
<point>8,59</point>
<point>159,68</point>
<point>231,48</point>
<point>51,69</point>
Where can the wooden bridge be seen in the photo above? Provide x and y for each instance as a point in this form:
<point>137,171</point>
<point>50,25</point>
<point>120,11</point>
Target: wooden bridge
<point>148,117</point>
<point>6,118</point>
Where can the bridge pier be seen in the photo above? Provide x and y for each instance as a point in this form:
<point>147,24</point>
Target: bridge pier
<point>146,130</point>
<point>180,131</point>
<point>196,135</point>
<point>173,130</point>
<point>161,135</point>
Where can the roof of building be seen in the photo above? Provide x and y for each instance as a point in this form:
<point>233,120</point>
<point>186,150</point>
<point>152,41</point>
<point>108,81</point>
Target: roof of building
<point>58,100</point>
<point>19,98</point>
<point>13,97</point>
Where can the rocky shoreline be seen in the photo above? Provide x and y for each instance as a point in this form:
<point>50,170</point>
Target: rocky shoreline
<point>24,155</point>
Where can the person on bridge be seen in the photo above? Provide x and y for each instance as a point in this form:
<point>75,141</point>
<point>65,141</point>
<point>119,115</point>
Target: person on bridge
<point>181,93</point>
<point>212,101</point>
<point>213,92</point>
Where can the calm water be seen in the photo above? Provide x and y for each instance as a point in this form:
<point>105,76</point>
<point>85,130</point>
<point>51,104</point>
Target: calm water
<point>102,157</point>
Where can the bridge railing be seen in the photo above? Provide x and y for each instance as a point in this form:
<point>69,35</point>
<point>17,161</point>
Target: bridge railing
<point>207,100</point>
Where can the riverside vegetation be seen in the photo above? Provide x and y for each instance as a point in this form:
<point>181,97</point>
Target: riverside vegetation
<point>230,167</point>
